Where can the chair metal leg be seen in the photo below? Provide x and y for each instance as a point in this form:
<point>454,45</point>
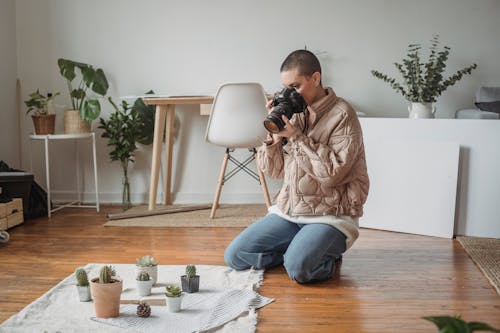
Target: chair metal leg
<point>220,182</point>
<point>263,183</point>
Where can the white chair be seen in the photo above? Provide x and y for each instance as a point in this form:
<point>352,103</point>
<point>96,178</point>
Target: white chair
<point>236,121</point>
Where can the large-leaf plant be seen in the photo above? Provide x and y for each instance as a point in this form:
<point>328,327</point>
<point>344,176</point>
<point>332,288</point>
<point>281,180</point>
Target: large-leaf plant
<point>423,82</point>
<point>86,84</point>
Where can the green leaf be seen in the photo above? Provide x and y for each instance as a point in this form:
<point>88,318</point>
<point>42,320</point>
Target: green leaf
<point>90,109</point>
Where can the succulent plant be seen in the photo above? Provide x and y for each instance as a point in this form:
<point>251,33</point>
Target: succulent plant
<point>81,277</point>
<point>143,276</point>
<point>173,291</point>
<point>146,261</point>
<point>106,274</point>
<point>190,271</point>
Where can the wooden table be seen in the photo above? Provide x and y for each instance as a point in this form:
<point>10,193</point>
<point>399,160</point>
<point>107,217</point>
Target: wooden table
<point>164,123</point>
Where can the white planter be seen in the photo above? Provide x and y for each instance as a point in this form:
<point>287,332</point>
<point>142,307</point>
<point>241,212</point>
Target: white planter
<point>421,110</point>
<point>144,287</point>
<point>84,293</point>
<point>151,270</point>
<point>174,303</point>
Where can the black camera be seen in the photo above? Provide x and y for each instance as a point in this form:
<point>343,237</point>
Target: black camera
<point>286,102</point>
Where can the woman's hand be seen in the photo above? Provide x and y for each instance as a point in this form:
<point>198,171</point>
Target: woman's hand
<point>289,130</point>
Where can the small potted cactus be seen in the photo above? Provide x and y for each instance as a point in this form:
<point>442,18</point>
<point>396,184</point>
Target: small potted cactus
<point>82,284</point>
<point>147,264</point>
<point>174,298</point>
<point>106,291</point>
<point>144,284</point>
<point>190,282</point>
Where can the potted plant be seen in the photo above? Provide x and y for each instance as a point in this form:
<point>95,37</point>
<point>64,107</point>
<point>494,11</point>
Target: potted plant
<point>448,324</point>
<point>190,282</point>
<point>174,298</point>
<point>423,82</point>
<point>86,85</point>
<point>43,120</point>
<point>147,264</point>
<point>123,128</point>
<point>144,284</point>
<point>82,285</point>
<point>106,291</point>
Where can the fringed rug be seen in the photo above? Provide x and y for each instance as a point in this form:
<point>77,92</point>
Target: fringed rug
<point>485,252</point>
<point>225,303</point>
<point>226,216</point>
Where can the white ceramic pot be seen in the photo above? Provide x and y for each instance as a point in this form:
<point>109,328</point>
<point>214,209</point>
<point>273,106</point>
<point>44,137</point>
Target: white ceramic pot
<point>174,303</point>
<point>151,270</point>
<point>421,110</point>
<point>144,287</point>
<point>84,293</point>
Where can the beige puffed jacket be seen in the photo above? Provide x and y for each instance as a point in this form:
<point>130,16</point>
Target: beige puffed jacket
<point>324,167</point>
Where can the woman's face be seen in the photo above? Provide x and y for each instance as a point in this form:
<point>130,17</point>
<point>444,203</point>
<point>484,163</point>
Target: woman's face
<point>307,86</point>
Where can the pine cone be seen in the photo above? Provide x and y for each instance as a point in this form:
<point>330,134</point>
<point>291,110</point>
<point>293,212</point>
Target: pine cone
<point>143,310</point>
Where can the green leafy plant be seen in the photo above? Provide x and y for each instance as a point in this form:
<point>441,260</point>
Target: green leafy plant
<point>143,276</point>
<point>423,82</point>
<point>90,84</point>
<point>37,102</point>
<point>122,130</point>
<point>147,120</point>
<point>146,261</point>
<point>81,277</point>
<point>173,291</point>
<point>448,324</point>
<point>106,274</point>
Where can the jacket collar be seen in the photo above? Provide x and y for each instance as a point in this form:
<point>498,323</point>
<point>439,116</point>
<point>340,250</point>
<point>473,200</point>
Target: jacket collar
<point>324,104</point>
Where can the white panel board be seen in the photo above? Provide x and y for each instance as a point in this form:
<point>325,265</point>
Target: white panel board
<point>412,187</point>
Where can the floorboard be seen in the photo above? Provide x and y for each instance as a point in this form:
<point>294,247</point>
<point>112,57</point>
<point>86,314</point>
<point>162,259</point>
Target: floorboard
<point>387,282</point>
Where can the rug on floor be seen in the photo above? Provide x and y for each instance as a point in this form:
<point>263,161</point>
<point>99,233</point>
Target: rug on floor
<point>59,310</point>
<point>485,252</point>
<point>226,216</point>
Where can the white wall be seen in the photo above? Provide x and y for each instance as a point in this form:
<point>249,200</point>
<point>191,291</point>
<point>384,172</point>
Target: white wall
<point>191,47</point>
<point>9,123</point>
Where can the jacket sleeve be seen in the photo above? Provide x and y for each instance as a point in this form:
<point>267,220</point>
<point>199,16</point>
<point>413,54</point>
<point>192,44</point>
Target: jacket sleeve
<point>330,163</point>
<point>270,160</point>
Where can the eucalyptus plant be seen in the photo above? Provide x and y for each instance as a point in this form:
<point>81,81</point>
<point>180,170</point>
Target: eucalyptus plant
<point>122,129</point>
<point>90,84</point>
<point>423,82</point>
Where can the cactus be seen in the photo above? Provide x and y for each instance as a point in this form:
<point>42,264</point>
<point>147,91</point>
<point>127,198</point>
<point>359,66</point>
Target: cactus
<point>81,277</point>
<point>173,291</point>
<point>106,274</point>
<point>143,276</point>
<point>146,261</point>
<point>190,271</point>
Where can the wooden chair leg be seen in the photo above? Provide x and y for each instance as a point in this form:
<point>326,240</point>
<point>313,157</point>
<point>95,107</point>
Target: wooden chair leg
<point>220,182</point>
<point>263,183</point>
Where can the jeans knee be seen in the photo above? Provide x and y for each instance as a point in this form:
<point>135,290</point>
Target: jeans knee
<point>297,270</point>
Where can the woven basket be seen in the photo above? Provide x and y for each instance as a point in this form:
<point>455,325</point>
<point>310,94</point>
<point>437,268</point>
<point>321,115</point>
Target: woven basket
<point>44,123</point>
<point>73,124</point>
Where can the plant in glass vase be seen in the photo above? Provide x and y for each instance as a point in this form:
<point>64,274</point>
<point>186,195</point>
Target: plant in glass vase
<point>423,82</point>
<point>122,129</point>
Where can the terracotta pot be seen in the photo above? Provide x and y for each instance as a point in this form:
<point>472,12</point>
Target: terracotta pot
<point>106,297</point>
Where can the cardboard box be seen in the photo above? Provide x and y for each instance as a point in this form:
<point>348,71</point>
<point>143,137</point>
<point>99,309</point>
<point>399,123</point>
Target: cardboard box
<point>11,213</point>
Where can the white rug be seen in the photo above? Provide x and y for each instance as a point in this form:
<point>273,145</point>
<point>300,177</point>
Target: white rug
<point>221,288</point>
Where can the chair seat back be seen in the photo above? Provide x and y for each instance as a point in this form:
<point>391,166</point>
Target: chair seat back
<point>237,115</point>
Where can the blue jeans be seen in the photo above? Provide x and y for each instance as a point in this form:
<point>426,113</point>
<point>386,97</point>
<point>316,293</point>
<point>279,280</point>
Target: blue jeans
<point>307,251</point>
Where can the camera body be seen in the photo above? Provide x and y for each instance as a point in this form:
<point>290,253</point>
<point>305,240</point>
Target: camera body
<point>286,102</point>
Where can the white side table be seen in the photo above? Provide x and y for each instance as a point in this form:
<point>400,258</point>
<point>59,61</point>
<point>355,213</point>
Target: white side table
<point>49,137</point>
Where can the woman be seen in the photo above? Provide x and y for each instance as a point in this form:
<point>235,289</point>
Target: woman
<point>325,183</point>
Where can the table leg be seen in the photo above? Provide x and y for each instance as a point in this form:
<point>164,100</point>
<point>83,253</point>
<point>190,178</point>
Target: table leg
<point>169,145</point>
<point>160,115</point>
<point>95,173</point>
<point>47,174</point>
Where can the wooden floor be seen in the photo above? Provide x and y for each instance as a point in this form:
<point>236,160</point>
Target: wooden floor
<point>388,281</point>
